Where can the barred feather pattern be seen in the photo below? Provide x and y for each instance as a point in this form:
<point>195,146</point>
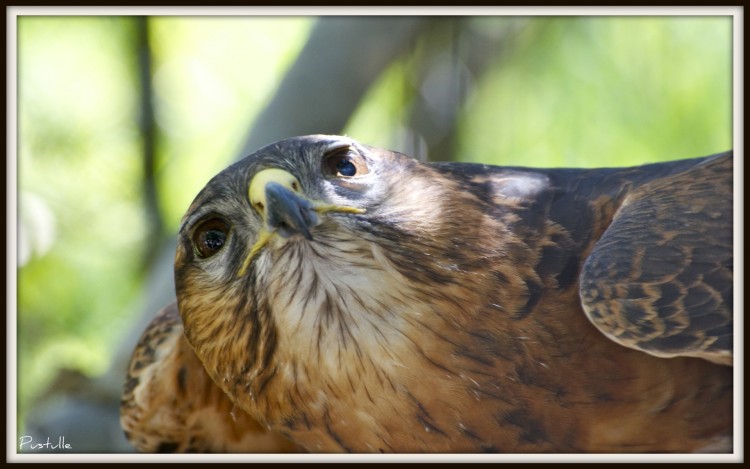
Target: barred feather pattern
<point>446,318</point>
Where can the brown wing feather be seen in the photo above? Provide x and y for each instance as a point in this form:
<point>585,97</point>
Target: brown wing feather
<point>171,405</point>
<point>660,278</point>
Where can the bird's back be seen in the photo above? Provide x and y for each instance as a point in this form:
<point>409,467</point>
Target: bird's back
<point>608,285</point>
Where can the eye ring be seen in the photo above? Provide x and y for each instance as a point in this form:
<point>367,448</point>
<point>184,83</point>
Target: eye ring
<point>210,236</point>
<point>344,162</point>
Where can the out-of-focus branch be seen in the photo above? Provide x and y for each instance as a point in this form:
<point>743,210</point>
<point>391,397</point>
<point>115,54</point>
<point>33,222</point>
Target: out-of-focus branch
<point>147,127</point>
<point>454,53</point>
<point>341,60</point>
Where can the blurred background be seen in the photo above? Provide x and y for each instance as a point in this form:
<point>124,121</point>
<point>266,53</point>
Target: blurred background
<point>122,120</point>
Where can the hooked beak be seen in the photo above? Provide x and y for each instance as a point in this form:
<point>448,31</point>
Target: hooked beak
<point>287,212</point>
<point>277,196</point>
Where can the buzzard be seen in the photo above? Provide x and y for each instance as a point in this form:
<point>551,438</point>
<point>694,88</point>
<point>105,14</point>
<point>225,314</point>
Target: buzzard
<point>336,297</point>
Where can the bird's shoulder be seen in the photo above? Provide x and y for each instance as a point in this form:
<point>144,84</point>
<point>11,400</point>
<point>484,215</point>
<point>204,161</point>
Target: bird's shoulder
<point>170,404</point>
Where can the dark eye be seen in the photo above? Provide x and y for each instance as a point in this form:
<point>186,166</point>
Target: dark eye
<point>343,162</point>
<point>346,167</point>
<point>210,236</point>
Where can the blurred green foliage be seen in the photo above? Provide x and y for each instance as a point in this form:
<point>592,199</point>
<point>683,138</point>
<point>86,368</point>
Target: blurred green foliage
<point>78,178</point>
<point>561,91</point>
<point>81,222</point>
<point>616,91</point>
<point>584,92</point>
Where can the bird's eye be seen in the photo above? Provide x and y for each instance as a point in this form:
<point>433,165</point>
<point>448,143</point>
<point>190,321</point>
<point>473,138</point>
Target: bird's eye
<point>343,162</point>
<point>346,167</point>
<point>210,236</point>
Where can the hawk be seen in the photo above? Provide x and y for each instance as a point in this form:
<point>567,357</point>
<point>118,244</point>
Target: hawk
<point>336,297</point>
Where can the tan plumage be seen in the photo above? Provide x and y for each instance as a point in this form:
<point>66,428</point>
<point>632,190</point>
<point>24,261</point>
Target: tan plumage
<point>171,405</point>
<point>360,301</point>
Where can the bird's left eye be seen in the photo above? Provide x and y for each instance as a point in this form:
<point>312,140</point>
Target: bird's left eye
<point>343,162</point>
<point>210,236</point>
<point>346,167</point>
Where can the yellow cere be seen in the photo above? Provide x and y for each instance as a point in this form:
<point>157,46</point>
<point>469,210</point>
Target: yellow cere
<point>257,189</point>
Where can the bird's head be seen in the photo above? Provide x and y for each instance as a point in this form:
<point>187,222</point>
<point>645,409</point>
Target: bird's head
<point>316,256</point>
<point>297,192</point>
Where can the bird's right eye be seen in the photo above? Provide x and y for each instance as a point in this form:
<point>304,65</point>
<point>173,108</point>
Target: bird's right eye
<point>210,236</point>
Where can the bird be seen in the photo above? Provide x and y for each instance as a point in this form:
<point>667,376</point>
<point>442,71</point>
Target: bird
<point>185,411</point>
<point>332,296</point>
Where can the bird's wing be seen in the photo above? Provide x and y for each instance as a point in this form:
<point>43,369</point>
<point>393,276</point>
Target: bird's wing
<point>171,405</point>
<point>660,278</point>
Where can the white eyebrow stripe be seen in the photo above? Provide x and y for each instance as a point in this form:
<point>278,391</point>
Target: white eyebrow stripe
<point>339,143</point>
<point>201,211</point>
